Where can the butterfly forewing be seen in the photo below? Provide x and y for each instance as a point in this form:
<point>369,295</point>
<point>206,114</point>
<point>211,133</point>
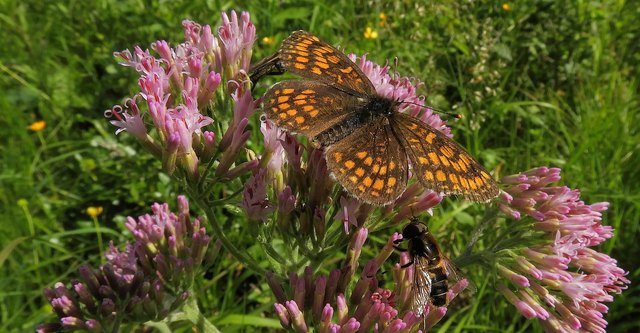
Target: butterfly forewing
<point>370,164</point>
<point>306,55</point>
<point>306,107</point>
<point>442,165</point>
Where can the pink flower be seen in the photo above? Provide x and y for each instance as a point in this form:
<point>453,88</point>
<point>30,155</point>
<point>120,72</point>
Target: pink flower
<point>402,89</point>
<point>178,85</point>
<point>563,281</point>
<point>324,303</point>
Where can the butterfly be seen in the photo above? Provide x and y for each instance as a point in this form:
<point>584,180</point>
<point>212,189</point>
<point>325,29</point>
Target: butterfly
<point>367,141</point>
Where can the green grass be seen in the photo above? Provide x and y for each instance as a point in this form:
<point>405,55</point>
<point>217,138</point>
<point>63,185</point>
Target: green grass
<point>546,83</point>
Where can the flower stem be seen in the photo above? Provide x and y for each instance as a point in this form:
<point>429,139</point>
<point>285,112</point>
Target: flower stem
<point>191,313</point>
<point>228,245</point>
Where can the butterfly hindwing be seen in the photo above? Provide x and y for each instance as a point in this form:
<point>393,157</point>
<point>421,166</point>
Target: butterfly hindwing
<point>370,164</point>
<point>307,107</point>
<point>442,165</point>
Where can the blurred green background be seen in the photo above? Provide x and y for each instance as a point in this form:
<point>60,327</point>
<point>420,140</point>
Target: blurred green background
<point>539,82</point>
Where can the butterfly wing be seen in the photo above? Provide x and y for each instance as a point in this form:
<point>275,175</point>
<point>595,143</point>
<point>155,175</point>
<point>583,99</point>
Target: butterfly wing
<point>306,107</point>
<point>370,164</point>
<point>307,56</point>
<point>440,164</point>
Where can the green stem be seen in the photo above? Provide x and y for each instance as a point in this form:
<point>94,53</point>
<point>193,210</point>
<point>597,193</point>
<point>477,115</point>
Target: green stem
<point>99,234</point>
<point>191,313</point>
<point>228,245</point>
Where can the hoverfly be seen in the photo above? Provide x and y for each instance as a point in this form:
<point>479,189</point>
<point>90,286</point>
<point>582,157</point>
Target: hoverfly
<point>432,269</point>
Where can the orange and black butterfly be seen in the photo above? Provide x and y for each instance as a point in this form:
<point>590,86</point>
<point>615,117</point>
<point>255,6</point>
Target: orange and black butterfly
<point>432,269</point>
<point>367,141</point>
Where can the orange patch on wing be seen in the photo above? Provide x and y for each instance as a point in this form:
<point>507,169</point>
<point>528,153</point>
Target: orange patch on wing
<point>349,164</point>
<point>368,161</point>
<point>428,175</point>
<point>434,158</point>
<point>300,120</point>
<point>337,157</point>
<point>430,137</point>
<point>367,182</point>
<point>360,172</point>
<point>391,181</point>
<point>316,70</point>
<point>288,91</point>
<point>361,154</point>
<point>441,176</point>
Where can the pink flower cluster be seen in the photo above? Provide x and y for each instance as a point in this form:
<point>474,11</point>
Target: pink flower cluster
<point>179,85</point>
<point>325,304</point>
<point>147,281</point>
<point>562,281</point>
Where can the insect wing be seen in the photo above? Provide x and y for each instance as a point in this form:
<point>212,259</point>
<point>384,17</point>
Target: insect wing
<point>307,56</point>
<point>442,165</point>
<point>370,164</point>
<point>421,289</point>
<point>306,107</point>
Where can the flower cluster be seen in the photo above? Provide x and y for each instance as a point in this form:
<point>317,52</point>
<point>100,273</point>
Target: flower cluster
<point>326,303</point>
<point>563,281</point>
<point>147,281</point>
<point>178,87</point>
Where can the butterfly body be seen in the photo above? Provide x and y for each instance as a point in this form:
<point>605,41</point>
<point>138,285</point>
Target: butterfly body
<point>368,142</point>
<point>375,109</point>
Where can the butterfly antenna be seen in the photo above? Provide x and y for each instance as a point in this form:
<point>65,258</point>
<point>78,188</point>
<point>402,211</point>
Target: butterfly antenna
<point>439,111</point>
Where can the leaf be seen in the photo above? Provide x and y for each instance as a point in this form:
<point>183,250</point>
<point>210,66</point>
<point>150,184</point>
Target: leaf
<point>9,248</point>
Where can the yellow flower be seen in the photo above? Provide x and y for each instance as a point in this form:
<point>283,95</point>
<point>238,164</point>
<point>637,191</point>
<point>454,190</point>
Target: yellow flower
<point>506,7</point>
<point>370,33</point>
<point>267,40</point>
<point>38,125</point>
<point>383,19</point>
<point>94,211</point>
